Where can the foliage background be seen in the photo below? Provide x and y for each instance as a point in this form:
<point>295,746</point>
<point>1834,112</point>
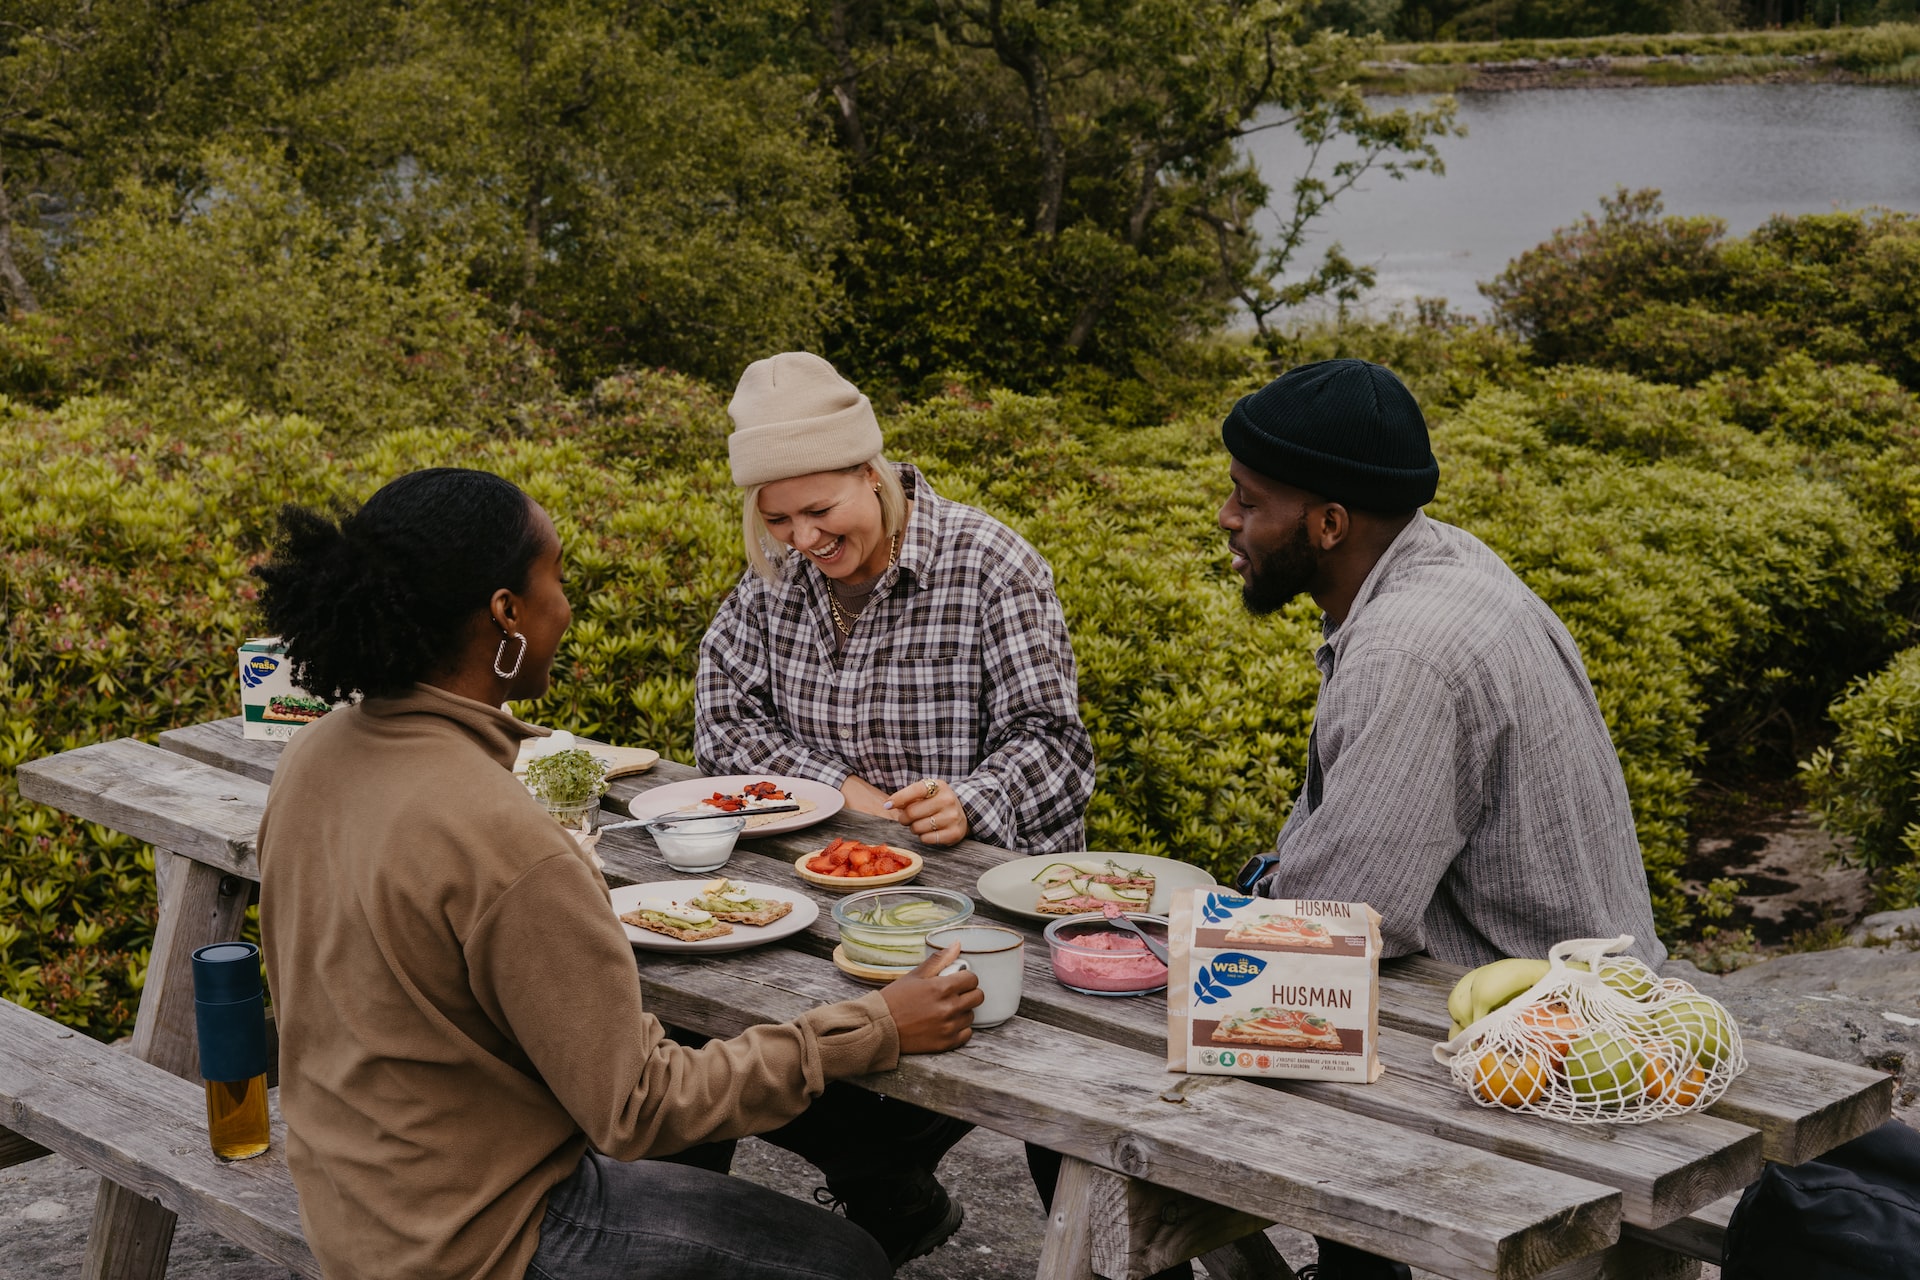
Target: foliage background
<point>1730,556</point>
<point>258,251</point>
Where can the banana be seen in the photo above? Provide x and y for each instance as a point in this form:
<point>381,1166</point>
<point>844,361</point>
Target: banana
<point>1502,980</point>
<point>1460,1001</point>
<point>1485,989</point>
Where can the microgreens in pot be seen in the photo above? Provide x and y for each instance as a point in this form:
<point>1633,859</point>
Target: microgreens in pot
<point>571,777</point>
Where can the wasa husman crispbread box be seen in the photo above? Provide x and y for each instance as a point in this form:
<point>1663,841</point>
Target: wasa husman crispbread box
<point>1280,987</point>
<point>271,704</point>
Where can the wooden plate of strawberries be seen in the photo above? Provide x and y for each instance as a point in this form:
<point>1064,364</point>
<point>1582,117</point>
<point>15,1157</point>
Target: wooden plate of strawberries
<point>847,866</point>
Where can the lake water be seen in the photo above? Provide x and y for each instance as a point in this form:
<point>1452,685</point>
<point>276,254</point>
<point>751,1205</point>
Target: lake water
<point>1536,160</point>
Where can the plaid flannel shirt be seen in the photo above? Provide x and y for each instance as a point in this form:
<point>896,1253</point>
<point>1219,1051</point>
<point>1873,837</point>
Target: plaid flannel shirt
<point>959,668</point>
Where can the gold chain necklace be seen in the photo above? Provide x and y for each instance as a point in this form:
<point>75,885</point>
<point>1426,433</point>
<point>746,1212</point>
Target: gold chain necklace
<point>840,621</point>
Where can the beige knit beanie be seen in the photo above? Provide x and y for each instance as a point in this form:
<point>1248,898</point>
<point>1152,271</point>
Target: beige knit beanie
<point>792,416</point>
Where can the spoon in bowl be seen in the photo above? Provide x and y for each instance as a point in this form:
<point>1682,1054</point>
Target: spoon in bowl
<point>1112,911</point>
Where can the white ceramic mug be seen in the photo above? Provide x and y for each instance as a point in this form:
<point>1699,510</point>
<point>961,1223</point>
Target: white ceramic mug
<point>998,958</point>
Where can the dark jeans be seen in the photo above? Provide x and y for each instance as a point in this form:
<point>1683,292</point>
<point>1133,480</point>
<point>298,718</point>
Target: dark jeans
<point>662,1220</point>
<point>851,1135</point>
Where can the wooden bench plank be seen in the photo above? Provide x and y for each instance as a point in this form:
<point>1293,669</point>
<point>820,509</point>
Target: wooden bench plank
<point>1446,1208</point>
<point>167,800</point>
<point>1664,1171</point>
<point>146,1130</point>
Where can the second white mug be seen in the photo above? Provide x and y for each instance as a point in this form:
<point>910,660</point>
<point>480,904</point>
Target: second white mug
<point>998,958</point>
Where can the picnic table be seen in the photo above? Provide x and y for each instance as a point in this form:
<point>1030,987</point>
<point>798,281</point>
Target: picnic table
<point>1157,1167</point>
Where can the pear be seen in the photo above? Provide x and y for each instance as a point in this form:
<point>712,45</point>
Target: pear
<point>1697,1024</point>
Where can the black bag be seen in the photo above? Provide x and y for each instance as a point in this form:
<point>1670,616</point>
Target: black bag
<point>1853,1214</point>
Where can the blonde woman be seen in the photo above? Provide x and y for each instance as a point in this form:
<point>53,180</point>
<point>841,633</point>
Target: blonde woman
<point>903,648</point>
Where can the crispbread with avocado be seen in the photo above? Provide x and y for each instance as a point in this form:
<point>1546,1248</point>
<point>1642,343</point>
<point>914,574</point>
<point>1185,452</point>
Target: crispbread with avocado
<point>728,901</point>
<point>687,923</point>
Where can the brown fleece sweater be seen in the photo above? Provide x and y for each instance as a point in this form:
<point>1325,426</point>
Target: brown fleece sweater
<point>459,1010</point>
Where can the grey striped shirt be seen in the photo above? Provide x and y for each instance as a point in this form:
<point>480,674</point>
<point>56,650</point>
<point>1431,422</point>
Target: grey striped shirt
<point>1461,779</point>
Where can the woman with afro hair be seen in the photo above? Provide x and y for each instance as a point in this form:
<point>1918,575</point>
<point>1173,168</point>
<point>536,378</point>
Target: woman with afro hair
<point>468,1079</point>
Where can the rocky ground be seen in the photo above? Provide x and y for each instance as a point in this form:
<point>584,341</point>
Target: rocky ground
<point>1858,1001</point>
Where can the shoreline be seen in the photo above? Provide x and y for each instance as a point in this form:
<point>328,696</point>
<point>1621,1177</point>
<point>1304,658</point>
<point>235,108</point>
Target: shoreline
<point>1605,71</point>
<point>1888,54</point>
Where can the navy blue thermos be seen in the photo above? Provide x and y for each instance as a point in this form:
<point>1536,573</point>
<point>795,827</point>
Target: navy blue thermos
<point>230,1014</point>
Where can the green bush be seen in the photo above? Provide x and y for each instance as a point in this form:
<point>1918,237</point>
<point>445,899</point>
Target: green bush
<point>1709,576</point>
<point>1867,784</point>
<point>1669,298</point>
<point>253,297</point>
<point>1703,602</point>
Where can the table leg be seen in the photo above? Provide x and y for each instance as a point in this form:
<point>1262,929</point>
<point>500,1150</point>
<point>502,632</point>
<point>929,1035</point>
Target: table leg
<point>1105,1224</point>
<point>199,905</point>
<point>1067,1251</point>
<point>1628,1260</point>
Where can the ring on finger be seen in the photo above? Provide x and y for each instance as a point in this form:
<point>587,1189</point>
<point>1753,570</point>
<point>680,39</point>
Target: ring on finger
<point>933,788</point>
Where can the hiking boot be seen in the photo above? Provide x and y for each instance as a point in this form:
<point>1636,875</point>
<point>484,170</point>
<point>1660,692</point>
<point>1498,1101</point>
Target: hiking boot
<point>909,1215</point>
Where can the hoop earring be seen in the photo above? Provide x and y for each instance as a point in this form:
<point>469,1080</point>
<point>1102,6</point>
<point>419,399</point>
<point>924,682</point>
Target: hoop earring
<point>518,658</point>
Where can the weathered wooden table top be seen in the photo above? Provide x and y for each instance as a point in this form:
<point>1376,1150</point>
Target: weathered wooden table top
<point>1034,1077</point>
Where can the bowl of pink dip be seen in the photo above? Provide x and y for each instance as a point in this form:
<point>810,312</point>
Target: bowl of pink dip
<point>1093,957</point>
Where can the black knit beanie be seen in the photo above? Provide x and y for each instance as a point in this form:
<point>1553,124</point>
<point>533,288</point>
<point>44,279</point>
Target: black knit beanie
<point>1347,430</point>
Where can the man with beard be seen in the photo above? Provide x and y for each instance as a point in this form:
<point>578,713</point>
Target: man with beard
<point>1460,779</point>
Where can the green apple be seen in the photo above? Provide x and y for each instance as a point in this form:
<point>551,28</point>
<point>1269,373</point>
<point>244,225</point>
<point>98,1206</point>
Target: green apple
<point>1605,1067</point>
<point>1629,977</point>
<point>1695,1022</point>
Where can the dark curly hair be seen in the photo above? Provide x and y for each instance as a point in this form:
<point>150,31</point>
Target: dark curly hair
<point>370,601</point>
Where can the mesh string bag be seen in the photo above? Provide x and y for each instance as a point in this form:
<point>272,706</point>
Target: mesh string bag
<point>1600,1039</point>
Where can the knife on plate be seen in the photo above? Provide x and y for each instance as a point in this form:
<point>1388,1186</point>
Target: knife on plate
<point>689,815</point>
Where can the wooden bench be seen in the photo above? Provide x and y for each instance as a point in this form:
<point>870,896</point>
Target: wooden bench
<point>145,1130</point>
<point>1406,1167</point>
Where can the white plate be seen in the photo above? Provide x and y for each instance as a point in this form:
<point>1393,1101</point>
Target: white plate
<point>685,795</point>
<point>1010,885</point>
<point>805,912</point>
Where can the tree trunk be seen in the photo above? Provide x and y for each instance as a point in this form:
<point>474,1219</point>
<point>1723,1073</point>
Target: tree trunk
<point>1022,55</point>
<point>1146,203</point>
<point>18,293</point>
<point>1053,157</point>
<point>846,87</point>
<point>530,154</point>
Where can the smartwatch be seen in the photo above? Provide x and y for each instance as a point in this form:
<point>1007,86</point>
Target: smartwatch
<point>1253,870</point>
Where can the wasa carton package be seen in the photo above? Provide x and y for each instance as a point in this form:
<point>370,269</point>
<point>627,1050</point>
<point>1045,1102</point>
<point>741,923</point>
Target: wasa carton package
<point>1273,987</point>
<point>270,702</point>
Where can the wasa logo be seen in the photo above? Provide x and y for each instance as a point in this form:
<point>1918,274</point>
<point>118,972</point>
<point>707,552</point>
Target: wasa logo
<point>1225,971</point>
<point>258,668</point>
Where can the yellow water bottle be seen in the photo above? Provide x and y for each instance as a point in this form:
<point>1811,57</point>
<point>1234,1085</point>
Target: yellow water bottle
<point>230,1014</point>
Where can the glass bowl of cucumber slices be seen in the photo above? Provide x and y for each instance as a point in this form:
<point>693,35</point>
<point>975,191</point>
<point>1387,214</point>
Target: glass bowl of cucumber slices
<point>887,928</point>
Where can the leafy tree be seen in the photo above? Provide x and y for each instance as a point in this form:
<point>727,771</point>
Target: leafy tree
<point>1041,188</point>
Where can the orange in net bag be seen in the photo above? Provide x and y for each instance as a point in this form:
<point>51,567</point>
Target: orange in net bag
<point>1600,1039</point>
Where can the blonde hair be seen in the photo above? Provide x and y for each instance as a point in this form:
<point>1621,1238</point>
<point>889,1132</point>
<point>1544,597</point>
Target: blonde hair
<point>766,553</point>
